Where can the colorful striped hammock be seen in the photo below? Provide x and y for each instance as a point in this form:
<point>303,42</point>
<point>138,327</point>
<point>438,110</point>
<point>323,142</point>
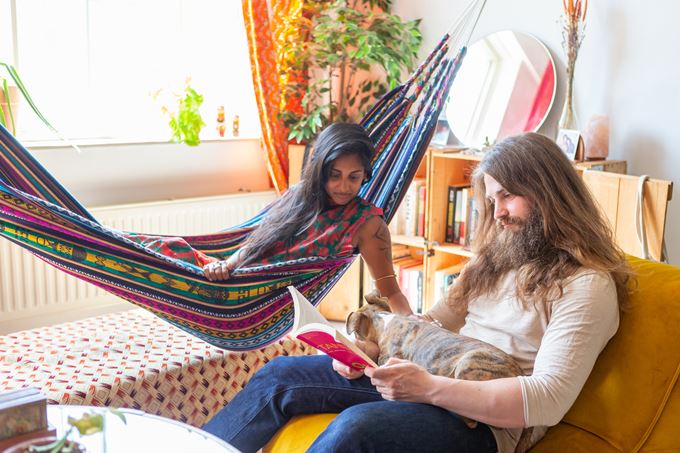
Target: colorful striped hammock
<point>253,307</point>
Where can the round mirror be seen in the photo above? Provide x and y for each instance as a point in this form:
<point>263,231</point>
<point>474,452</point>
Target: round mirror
<point>505,86</point>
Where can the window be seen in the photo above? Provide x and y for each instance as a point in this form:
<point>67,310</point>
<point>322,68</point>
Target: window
<point>91,65</point>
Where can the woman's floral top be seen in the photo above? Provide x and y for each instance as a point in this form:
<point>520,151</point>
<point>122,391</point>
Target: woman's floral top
<point>330,235</point>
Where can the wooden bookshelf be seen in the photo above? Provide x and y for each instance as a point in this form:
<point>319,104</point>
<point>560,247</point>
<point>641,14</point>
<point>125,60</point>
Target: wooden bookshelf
<point>443,168</point>
<point>410,241</point>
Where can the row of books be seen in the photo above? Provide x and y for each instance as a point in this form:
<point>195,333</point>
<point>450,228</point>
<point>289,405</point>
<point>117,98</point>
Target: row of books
<point>410,276</point>
<point>410,216</point>
<point>461,215</point>
<point>411,279</point>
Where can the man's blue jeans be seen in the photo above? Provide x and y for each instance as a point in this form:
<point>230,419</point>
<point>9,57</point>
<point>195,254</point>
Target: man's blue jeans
<point>289,386</point>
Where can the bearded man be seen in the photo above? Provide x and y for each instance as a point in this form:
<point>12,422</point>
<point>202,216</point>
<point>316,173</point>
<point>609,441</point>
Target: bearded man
<point>545,285</point>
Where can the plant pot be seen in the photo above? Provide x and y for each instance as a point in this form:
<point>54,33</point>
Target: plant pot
<point>24,447</point>
<point>14,97</point>
<point>296,155</point>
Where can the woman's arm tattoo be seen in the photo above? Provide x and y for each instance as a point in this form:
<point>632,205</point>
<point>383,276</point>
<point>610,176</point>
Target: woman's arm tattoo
<point>382,236</point>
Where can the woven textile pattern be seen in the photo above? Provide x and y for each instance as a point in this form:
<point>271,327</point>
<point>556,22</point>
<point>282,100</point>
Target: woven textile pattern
<point>132,359</point>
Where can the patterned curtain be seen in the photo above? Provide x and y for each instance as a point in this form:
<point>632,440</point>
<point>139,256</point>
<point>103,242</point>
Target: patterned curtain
<point>270,25</point>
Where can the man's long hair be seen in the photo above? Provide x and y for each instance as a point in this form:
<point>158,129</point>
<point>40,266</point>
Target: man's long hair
<point>293,213</point>
<point>576,235</point>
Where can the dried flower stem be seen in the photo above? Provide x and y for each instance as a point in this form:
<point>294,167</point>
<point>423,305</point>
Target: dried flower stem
<point>573,32</point>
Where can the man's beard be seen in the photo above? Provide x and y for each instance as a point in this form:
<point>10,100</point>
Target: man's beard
<point>515,247</point>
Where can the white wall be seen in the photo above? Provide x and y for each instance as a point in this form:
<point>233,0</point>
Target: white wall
<point>106,175</point>
<point>627,69</point>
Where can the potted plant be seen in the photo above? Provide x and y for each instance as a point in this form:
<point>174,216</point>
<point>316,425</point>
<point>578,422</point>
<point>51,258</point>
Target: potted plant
<point>185,119</point>
<point>353,52</point>
<point>89,423</point>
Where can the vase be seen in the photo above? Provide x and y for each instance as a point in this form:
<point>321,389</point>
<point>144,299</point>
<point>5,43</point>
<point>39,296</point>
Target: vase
<point>568,117</point>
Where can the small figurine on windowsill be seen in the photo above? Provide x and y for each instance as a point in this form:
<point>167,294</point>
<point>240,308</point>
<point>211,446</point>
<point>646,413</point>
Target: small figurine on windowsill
<point>221,127</point>
<point>235,126</point>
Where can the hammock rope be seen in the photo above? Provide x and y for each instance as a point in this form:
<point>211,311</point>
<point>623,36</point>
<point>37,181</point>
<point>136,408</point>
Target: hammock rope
<point>253,307</point>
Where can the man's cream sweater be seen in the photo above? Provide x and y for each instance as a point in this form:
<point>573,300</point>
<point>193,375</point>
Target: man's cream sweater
<point>555,343</point>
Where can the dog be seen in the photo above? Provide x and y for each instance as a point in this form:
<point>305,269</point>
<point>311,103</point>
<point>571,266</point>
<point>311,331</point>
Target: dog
<point>439,351</point>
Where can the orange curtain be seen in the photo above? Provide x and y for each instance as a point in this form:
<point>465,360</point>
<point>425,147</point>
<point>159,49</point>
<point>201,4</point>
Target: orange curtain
<point>270,25</point>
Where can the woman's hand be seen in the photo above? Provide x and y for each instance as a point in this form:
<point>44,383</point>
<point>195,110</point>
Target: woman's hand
<point>402,380</point>
<point>371,349</point>
<point>346,371</point>
<point>218,270</point>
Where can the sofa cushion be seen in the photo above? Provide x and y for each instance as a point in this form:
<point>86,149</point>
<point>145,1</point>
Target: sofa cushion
<point>631,397</point>
<point>132,359</point>
<point>299,433</point>
<point>564,437</point>
<point>664,437</point>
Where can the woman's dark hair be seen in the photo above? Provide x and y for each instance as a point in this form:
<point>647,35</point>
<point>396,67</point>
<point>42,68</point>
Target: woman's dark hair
<point>299,207</point>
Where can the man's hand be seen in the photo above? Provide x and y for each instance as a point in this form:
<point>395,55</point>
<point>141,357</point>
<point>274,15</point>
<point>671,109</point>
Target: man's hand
<point>402,380</point>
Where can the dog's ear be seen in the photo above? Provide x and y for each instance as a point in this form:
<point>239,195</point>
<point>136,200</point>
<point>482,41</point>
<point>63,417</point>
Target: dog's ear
<point>358,323</point>
<point>380,303</point>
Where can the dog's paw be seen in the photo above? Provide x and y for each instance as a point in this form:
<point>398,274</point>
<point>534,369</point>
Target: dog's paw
<point>374,298</point>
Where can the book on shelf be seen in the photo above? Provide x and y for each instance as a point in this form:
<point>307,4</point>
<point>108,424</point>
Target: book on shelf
<point>409,273</point>
<point>470,219</point>
<point>311,327</point>
<point>400,251</point>
<point>459,221</point>
<point>444,278</point>
<point>420,209</point>
<point>456,209</point>
<point>450,209</point>
<point>396,225</point>
<point>409,219</point>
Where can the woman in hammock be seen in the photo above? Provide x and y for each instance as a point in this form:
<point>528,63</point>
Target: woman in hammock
<point>323,216</point>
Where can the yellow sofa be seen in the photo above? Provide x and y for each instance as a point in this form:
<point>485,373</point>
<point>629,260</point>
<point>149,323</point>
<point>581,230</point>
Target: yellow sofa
<point>631,401</point>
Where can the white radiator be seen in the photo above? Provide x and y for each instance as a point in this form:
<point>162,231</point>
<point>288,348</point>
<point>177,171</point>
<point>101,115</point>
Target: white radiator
<point>33,294</point>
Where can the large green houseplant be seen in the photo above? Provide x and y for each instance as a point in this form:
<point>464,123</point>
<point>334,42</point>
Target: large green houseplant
<point>352,52</point>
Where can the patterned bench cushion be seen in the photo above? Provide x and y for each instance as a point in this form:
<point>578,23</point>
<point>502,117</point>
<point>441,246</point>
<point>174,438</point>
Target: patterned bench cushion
<point>132,359</point>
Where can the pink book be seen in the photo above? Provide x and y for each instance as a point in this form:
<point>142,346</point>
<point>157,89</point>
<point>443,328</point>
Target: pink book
<point>311,327</point>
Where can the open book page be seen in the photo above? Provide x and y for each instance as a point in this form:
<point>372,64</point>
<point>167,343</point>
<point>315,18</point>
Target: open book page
<point>311,327</point>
